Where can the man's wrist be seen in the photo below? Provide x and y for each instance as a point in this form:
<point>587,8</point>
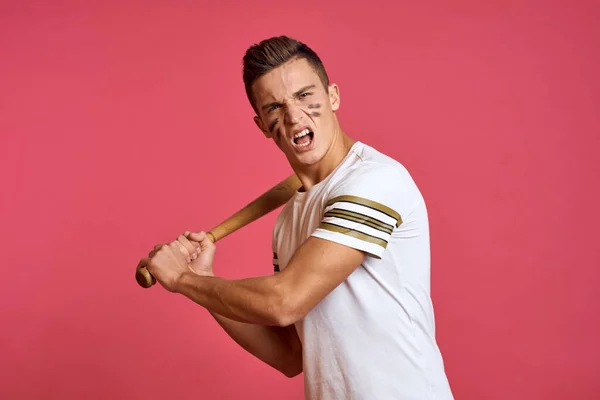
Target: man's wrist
<point>189,279</point>
<point>184,281</point>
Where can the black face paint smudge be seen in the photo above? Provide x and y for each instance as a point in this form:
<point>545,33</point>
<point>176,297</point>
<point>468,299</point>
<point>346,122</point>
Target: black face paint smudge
<point>314,106</point>
<point>273,125</point>
<point>315,114</point>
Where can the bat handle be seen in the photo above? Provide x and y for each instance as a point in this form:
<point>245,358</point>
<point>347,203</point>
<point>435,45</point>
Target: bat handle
<point>262,205</point>
<point>145,279</point>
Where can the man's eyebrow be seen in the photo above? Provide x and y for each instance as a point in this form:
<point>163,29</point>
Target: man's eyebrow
<point>298,92</point>
<point>268,105</point>
<point>304,89</point>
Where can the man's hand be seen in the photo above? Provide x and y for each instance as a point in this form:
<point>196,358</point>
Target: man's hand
<point>190,252</point>
<point>204,250</point>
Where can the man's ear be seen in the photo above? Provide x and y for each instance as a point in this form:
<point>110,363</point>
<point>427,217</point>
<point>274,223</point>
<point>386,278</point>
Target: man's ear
<point>261,126</point>
<point>334,96</point>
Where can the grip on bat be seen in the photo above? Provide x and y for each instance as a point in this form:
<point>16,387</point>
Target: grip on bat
<point>264,204</point>
<point>145,279</point>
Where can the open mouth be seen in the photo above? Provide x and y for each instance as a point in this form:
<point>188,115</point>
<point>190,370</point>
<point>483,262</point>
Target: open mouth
<point>304,138</point>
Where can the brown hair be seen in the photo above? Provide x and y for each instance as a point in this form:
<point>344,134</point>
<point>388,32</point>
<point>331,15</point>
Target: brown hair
<point>271,53</point>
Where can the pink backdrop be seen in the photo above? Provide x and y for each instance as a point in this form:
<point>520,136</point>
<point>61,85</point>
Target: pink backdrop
<point>125,123</point>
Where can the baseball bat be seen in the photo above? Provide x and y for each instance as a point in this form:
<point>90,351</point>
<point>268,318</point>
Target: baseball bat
<point>272,199</point>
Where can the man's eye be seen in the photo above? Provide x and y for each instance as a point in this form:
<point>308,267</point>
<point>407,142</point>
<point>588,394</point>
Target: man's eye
<point>274,107</point>
<point>305,94</point>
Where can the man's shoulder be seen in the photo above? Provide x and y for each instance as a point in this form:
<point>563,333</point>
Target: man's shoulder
<point>373,166</point>
<point>378,158</point>
<point>376,180</point>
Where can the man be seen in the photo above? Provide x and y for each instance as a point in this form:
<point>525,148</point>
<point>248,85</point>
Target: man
<point>349,302</point>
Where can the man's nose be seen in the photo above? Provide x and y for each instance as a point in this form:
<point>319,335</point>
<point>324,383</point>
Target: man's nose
<point>293,114</point>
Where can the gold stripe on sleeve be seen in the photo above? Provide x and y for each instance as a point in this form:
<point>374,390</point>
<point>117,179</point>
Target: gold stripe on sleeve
<point>370,204</point>
<point>361,219</point>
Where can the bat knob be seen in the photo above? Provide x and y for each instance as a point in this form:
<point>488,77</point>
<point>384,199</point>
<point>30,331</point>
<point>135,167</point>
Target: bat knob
<point>144,278</point>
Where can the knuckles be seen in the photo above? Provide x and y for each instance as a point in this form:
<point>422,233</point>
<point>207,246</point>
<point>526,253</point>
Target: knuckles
<point>160,251</point>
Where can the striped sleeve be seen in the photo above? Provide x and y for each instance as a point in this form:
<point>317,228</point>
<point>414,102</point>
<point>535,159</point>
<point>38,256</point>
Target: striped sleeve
<point>362,214</point>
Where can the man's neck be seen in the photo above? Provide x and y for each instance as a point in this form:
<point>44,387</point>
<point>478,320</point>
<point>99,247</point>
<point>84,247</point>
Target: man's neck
<point>310,176</point>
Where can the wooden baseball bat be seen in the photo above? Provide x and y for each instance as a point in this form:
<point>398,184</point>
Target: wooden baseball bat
<point>272,199</point>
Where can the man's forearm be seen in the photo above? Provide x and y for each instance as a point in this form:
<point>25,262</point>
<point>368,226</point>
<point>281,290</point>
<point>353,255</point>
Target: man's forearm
<point>277,346</point>
<point>252,300</point>
<point>244,309</point>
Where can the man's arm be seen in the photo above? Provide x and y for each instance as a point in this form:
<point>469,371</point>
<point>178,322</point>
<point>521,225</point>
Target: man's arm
<point>258,313</point>
<point>278,347</point>
<point>316,268</point>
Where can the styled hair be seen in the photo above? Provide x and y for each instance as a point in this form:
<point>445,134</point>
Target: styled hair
<point>270,53</point>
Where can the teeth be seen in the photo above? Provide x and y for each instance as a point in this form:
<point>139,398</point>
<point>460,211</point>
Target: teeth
<point>301,133</point>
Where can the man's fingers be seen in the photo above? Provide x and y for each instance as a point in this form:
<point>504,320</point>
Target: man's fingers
<point>177,248</point>
<point>154,250</point>
<point>191,248</point>
<point>143,263</point>
<point>200,237</point>
<point>188,249</point>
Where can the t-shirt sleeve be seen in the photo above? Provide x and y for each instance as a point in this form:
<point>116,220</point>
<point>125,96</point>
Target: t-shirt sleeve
<point>363,210</point>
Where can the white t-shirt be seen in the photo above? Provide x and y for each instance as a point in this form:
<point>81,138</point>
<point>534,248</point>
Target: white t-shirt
<point>373,336</point>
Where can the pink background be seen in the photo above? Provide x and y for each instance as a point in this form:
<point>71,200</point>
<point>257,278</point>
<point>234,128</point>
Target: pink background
<point>125,123</point>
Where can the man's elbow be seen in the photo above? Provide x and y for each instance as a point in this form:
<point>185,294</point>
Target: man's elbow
<point>286,312</point>
<point>285,316</point>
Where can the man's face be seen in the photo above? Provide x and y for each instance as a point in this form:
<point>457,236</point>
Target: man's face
<point>297,111</point>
